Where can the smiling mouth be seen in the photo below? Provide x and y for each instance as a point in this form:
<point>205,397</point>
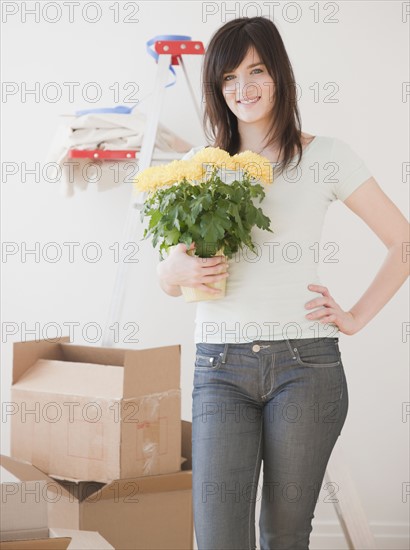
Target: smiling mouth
<point>249,101</point>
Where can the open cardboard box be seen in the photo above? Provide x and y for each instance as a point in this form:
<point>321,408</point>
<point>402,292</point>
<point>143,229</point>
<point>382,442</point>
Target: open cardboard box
<point>134,513</point>
<point>95,414</point>
<point>61,539</point>
<point>49,543</point>
<point>24,509</point>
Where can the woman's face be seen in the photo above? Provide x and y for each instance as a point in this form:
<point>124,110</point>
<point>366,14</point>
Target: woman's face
<point>249,89</point>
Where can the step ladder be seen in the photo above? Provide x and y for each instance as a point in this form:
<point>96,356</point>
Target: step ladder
<point>346,500</point>
<point>170,52</point>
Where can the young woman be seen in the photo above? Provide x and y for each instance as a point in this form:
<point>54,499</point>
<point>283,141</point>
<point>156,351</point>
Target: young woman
<point>269,382</point>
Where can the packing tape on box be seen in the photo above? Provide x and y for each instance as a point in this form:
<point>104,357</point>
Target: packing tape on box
<point>151,415</point>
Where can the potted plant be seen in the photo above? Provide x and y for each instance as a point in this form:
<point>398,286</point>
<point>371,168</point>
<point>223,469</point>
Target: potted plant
<point>187,201</point>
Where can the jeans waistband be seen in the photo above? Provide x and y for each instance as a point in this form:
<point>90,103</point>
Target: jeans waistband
<point>263,346</point>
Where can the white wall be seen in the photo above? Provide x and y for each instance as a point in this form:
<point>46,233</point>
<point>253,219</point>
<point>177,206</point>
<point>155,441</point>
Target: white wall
<point>364,52</point>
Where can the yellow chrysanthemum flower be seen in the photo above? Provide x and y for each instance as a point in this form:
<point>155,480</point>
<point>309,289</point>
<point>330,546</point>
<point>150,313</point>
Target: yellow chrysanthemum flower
<point>256,165</point>
<point>194,169</point>
<point>154,177</point>
<point>147,178</point>
<point>212,155</point>
<point>180,169</point>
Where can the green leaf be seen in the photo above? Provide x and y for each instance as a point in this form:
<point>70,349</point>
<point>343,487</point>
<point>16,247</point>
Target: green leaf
<point>233,210</point>
<point>212,213</point>
<point>155,218</point>
<point>172,237</point>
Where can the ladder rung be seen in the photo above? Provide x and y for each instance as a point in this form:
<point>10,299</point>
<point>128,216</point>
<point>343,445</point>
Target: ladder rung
<point>114,154</point>
<point>102,154</point>
<point>178,47</point>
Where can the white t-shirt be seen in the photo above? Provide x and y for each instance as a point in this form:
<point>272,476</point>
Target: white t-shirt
<point>266,293</point>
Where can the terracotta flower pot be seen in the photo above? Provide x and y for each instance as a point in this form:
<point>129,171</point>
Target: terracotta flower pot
<point>192,294</point>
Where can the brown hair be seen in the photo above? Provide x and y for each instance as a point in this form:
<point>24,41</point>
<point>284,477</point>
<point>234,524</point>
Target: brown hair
<point>226,50</point>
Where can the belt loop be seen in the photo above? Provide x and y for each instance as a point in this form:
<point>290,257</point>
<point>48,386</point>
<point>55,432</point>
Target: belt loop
<point>225,352</point>
<point>292,351</point>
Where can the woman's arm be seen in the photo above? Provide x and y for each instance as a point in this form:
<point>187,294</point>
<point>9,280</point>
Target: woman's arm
<point>171,290</point>
<point>180,269</point>
<point>376,209</point>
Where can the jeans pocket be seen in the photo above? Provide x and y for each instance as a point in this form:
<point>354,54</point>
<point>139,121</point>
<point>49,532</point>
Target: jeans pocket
<point>208,357</point>
<point>321,352</point>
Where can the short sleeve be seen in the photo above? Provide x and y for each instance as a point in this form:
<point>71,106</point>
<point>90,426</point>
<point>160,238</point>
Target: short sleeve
<point>351,171</point>
<point>192,152</point>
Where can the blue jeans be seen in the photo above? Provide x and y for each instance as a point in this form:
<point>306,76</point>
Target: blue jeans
<point>283,402</point>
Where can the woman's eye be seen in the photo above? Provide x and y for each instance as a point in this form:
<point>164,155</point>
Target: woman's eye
<point>227,77</point>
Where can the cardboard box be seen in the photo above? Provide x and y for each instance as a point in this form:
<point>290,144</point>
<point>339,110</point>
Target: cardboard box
<point>60,543</point>
<point>61,539</point>
<point>137,513</point>
<point>96,414</point>
<point>83,540</point>
<point>23,508</point>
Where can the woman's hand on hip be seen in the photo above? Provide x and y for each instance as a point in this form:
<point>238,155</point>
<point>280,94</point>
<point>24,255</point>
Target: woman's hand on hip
<point>331,312</point>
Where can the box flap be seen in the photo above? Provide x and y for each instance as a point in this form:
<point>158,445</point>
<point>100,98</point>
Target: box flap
<point>132,487</point>
<point>69,378</point>
<point>61,543</point>
<point>90,491</point>
<point>73,479</point>
<point>25,471</point>
<point>23,508</point>
<point>82,540</point>
<point>157,368</point>
<point>8,477</point>
<point>26,353</point>
<point>91,354</point>
<point>7,535</point>
<point>79,489</point>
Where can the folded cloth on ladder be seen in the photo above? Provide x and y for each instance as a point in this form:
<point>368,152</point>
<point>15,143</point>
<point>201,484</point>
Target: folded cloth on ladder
<point>103,131</point>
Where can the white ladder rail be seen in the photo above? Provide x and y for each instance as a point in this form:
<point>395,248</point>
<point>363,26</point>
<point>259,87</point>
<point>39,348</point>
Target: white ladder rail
<point>132,219</point>
<point>349,509</point>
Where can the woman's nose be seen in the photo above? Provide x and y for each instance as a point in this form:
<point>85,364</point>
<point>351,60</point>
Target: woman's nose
<point>248,90</point>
